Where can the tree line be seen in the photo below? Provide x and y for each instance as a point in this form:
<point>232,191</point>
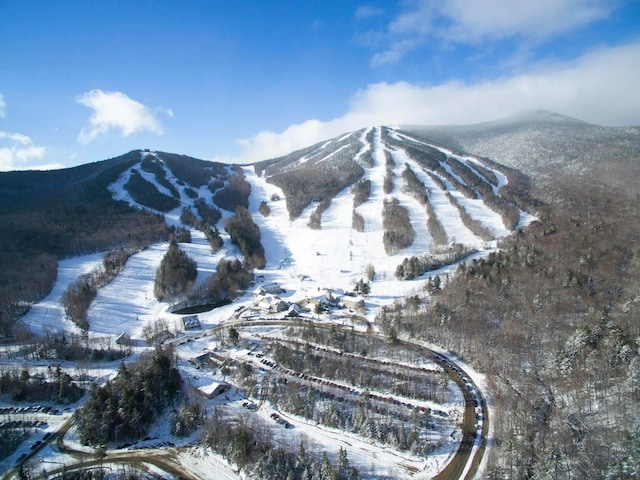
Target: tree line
<point>153,165</point>
<point>147,194</point>
<point>414,267</point>
<point>58,214</point>
<point>421,193</point>
<point>398,231</point>
<point>210,230</point>
<point>235,193</point>
<point>246,234</point>
<point>320,178</point>
<point>68,346</point>
<point>79,295</point>
<point>361,191</point>
<point>56,386</point>
<point>250,446</point>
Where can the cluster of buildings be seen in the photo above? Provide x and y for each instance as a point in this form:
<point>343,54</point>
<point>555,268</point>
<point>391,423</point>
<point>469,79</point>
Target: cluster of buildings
<point>266,299</point>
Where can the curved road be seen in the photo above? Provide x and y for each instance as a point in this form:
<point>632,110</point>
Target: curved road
<point>466,459</point>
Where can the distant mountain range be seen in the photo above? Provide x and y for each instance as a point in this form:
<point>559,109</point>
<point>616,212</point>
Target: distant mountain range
<point>407,190</point>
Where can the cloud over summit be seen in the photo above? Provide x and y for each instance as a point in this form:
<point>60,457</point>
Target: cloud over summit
<point>597,87</point>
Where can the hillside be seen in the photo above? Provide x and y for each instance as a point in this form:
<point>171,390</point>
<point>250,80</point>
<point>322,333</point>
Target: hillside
<point>554,314</point>
<point>343,229</point>
<point>447,199</point>
<point>440,208</point>
<point>439,199</point>
<point>416,234</point>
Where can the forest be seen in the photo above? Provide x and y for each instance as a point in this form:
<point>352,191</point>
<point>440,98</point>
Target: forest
<point>398,232</point>
<point>58,214</point>
<point>552,317</point>
<point>124,407</point>
<point>246,234</point>
<point>315,180</point>
<point>176,273</point>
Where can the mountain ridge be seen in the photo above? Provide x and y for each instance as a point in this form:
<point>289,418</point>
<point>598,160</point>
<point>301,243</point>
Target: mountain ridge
<point>562,145</point>
<point>315,185</point>
<point>540,143</point>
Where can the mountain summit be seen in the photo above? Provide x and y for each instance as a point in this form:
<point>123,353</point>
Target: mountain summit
<point>540,143</point>
<point>381,195</point>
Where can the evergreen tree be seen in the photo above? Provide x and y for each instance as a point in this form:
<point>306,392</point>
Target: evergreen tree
<point>176,273</point>
<point>234,336</point>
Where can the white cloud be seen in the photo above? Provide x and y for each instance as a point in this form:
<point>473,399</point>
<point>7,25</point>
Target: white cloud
<point>474,21</point>
<point>267,144</point>
<point>17,138</point>
<point>116,111</point>
<point>600,87</point>
<point>17,152</point>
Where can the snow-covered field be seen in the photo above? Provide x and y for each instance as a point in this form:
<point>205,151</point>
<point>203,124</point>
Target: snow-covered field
<point>304,262</point>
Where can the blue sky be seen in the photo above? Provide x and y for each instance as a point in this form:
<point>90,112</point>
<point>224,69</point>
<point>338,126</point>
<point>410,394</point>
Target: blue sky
<point>236,81</point>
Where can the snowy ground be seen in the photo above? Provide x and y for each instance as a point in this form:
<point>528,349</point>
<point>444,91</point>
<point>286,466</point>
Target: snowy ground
<point>304,262</point>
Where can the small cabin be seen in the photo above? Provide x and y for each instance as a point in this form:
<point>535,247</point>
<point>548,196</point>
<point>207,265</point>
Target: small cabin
<point>268,289</point>
<point>214,389</point>
<point>270,303</point>
<point>294,311</point>
<point>123,339</point>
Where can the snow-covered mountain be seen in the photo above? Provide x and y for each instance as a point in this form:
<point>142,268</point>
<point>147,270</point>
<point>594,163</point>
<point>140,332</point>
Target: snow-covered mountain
<point>391,205</point>
<point>327,198</point>
<point>378,205</point>
<point>325,203</point>
<point>448,198</point>
<point>452,203</point>
<point>395,209</point>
